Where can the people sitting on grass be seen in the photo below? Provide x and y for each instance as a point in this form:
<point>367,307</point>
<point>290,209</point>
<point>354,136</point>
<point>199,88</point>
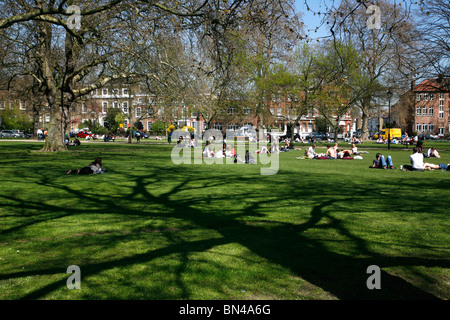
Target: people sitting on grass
<point>331,152</point>
<point>75,142</point>
<point>382,162</point>
<point>207,152</point>
<point>418,163</point>
<point>343,154</point>
<point>432,153</point>
<point>355,149</point>
<point>94,167</point>
<point>311,152</point>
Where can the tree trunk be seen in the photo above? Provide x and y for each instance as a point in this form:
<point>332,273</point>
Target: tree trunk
<point>55,135</point>
<point>365,109</point>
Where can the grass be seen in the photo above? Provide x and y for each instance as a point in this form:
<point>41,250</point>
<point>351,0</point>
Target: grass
<point>150,229</point>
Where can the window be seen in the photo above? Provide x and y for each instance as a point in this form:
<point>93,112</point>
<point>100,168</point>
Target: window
<point>151,100</point>
<point>115,104</point>
<point>47,118</point>
<point>247,110</point>
<point>125,91</point>
<point>425,127</point>
<point>430,111</point>
<point>125,123</point>
<point>140,100</point>
<point>149,125</point>
<point>441,106</point>
<point>418,96</point>
<point>280,111</point>
<point>425,97</point>
<point>115,92</point>
<point>431,96</point>
<point>431,127</point>
<point>232,126</point>
<point>2,105</point>
<point>138,112</point>
<point>125,107</point>
<point>231,110</point>
<point>272,111</point>
<point>419,127</point>
<point>419,111</point>
<point>218,126</point>
<point>84,108</point>
<point>105,107</point>
<point>105,92</point>
<point>441,131</point>
<point>150,112</point>
<point>424,111</point>
<point>22,105</point>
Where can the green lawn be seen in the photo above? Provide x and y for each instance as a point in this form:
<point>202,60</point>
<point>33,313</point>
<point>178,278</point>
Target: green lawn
<point>150,229</point>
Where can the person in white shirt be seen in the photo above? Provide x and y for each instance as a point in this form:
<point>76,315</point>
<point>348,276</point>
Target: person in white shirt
<point>312,152</point>
<point>433,153</point>
<point>418,164</point>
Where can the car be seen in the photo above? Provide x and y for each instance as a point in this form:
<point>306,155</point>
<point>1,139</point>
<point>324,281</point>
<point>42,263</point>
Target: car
<point>428,137</point>
<point>11,134</point>
<point>84,134</point>
<point>318,136</point>
<point>18,134</point>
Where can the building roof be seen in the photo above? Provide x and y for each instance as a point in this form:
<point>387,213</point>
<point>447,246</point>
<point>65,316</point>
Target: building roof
<point>434,85</point>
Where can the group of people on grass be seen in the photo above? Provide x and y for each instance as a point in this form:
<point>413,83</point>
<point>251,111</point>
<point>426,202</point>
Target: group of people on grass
<point>417,160</point>
<point>74,142</point>
<point>227,152</point>
<point>333,152</point>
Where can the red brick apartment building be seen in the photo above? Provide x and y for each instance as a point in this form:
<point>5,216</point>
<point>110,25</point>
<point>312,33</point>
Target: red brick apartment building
<point>432,104</point>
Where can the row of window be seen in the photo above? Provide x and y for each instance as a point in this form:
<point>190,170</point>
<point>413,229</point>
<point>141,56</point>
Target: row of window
<point>429,111</point>
<point>107,92</point>
<point>429,128</point>
<point>425,96</point>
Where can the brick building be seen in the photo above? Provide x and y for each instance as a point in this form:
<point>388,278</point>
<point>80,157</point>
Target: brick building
<point>432,104</point>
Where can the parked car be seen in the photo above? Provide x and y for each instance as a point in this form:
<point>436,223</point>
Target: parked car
<point>18,134</point>
<point>84,134</point>
<point>11,134</point>
<point>428,137</point>
<point>317,136</point>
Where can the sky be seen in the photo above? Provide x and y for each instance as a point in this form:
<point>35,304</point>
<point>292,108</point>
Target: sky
<point>312,20</point>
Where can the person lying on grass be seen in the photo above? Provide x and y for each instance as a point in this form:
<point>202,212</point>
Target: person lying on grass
<point>381,162</point>
<point>94,167</point>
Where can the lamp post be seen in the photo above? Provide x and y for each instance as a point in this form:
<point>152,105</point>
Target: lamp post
<point>389,94</point>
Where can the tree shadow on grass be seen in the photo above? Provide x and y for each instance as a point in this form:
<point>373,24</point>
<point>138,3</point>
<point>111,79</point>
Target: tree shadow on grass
<point>283,244</point>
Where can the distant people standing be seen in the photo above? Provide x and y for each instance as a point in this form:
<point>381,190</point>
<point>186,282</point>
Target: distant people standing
<point>40,134</point>
<point>138,136</point>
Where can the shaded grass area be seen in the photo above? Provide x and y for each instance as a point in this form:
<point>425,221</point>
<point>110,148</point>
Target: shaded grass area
<point>149,229</point>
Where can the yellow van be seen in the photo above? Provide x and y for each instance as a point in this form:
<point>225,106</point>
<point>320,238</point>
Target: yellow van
<point>395,133</point>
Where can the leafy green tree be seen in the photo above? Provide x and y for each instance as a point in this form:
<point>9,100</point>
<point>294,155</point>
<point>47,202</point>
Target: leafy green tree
<point>12,119</point>
<point>159,127</point>
<point>114,117</point>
